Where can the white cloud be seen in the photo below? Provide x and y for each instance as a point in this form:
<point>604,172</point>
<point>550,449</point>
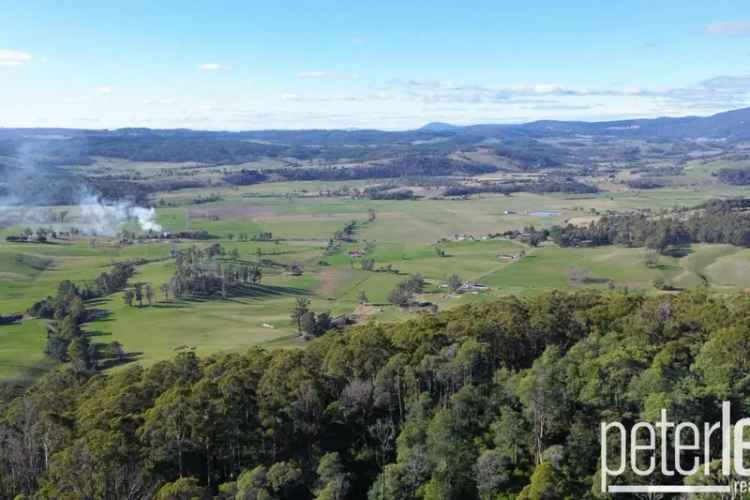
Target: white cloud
<point>290,97</point>
<point>323,75</point>
<point>75,99</point>
<point>434,91</point>
<point>13,57</point>
<point>163,102</point>
<point>728,83</point>
<point>729,28</point>
<point>562,107</point>
<point>103,90</point>
<point>212,67</point>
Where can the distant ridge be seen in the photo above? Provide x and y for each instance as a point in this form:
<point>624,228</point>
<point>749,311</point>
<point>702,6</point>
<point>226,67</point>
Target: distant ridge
<point>438,127</point>
<point>728,125</point>
<point>733,124</point>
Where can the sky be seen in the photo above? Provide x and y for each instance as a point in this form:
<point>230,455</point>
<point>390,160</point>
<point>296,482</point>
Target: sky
<point>243,65</point>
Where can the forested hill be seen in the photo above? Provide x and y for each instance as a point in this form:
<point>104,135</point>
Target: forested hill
<point>521,142</point>
<point>500,400</point>
<point>728,124</point>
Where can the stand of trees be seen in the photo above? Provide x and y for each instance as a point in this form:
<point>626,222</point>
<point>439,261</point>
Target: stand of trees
<point>66,341</point>
<point>463,190</point>
<point>645,183</point>
<point>546,185</point>
<point>104,284</point>
<point>316,325</point>
<point>388,193</point>
<point>734,176</point>
<point>200,234</point>
<point>496,400</point>
<point>245,178</point>
<point>347,233</point>
<point>720,221</point>
<point>403,293</point>
<point>41,235</point>
<point>406,166</point>
<point>205,273</point>
<point>557,185</point>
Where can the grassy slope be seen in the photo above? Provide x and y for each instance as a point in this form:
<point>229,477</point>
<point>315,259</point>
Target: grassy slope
<point>405,234</point>
<point>21,350</point>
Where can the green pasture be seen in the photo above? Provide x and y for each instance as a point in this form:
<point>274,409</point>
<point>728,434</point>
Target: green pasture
<point>403,237</point>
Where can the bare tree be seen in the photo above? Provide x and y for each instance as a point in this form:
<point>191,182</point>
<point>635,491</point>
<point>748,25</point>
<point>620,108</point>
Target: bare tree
<point>149,294</point>
<point>578,276</point>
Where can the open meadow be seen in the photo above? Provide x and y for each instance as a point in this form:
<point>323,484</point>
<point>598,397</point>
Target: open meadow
<point>434,238</point>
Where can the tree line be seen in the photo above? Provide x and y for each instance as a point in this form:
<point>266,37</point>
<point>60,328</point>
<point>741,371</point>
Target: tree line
<point>387,192</point>
<point>541,186</point>
<point>208,272</point>
<point>734,176</point>
<point>66,341</point>
<point>413,165</point>
<point>718,221</point>
<point>499,400</point>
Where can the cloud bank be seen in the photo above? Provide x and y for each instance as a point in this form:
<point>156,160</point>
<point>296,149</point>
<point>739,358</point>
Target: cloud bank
<point>14,57</point>
<point>212,67</point>
<point>729,28</point>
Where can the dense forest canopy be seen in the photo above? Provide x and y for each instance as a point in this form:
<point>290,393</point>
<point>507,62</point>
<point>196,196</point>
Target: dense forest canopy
<point>522,144</point>
<point>499,400</point>
<point>719,221</point>
<point>543,185</point>
<point>734,176</point>
<point>409,165</point>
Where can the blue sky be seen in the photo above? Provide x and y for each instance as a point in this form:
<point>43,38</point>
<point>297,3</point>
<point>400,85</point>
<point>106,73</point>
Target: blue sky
<point>386,64</point>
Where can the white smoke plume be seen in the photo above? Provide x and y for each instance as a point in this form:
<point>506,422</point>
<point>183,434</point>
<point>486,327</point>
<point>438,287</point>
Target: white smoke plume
<point>34,193</point>
<point>146,218</point>
<point>107,219</point>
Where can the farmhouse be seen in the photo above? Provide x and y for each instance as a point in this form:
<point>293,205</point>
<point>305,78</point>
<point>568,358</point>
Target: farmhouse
<point>469,286</point>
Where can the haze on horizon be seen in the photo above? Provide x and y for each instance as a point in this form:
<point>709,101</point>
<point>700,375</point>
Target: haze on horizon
<point>327,64</point>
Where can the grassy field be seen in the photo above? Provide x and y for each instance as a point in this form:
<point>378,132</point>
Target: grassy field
<point>404,235</point>
<point>21,351</point>
<point>549,267</point>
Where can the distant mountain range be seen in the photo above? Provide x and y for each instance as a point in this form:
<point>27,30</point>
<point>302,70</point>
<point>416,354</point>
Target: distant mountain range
<point>519,143</point>
<point>727,125</point>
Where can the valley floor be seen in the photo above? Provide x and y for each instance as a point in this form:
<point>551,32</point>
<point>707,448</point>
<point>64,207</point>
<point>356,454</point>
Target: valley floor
<point>404,235</point>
